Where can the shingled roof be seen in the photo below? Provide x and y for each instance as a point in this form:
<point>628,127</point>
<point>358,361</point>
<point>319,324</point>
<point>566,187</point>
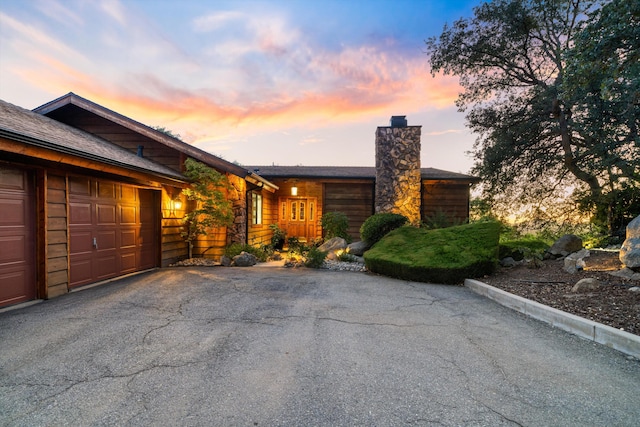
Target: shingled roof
<point>19,124</point>
<point>349,172</point>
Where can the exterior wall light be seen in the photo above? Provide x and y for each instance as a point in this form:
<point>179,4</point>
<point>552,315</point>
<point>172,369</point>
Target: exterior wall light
<point>294,191</point>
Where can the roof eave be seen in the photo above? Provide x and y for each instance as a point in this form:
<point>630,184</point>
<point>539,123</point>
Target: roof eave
<point>84,155</point>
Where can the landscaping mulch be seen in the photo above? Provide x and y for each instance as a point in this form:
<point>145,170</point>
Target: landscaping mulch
<point>612,304</point>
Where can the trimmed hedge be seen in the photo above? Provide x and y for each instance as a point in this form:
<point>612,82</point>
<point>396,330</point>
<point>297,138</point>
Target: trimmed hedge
<point>378,225</point>
<point>447,255</point>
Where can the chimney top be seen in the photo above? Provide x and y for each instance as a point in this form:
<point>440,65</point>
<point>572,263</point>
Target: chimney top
<point>398,121</point>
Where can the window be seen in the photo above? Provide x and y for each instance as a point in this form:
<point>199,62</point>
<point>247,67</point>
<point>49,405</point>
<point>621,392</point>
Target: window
<point>256,208</point>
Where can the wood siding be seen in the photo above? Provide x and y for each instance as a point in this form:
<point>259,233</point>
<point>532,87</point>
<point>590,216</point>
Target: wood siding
<point>450,198</point>
<point>353,199</point>
<point>57,239</point>
<point>119,135</point>
<point>260,234</point>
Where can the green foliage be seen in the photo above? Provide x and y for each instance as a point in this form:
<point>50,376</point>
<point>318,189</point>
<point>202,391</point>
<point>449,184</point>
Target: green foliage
<point>446,255</point>
<point>378,225</point>
<point>211,208</point>
<point>552,95</point>
<point>262,253</point>
<point>345,256</point>
<point>335,224</point>
<point>314,258</point>
<point>167,132</point>
<point>522,248</point>
<point>440,219</point>
<point>278,237</point>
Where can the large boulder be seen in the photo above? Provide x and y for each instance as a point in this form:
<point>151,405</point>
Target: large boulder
<point>630,250</point>
<point>565,245</point>
<point>245,259</point>
<point>333,244</point>
<point>358,248</point>
<point>575,262</point>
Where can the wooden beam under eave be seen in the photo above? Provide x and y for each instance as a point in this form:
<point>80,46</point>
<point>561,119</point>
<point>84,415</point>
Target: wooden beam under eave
<point>15,147</point>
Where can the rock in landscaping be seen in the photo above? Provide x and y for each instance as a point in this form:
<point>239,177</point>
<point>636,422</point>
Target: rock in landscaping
<point>508,262</point>
<point>626,273</point>
<point>225,261</point>
<point>244,260</point>
<point>333,244</point>
<point>575,261</point>
<point>630,250</point>
<point>635,289</point>
<point>358,248</point>
<point>565,245</point>
<point>586,285</point>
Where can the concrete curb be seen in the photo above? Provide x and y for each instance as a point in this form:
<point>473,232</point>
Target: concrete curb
<point>622,341</point>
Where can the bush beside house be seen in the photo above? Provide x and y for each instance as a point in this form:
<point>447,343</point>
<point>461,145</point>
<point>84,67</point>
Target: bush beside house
<point>447,255</point>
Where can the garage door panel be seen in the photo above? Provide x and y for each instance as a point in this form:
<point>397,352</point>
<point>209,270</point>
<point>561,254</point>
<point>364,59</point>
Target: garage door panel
<point>9,293</point>
<point>13,212</point>
<point>128,262</point>
<point>128,193</point>
<point>106,265</point>
<point>81,242</point>
<point>106,240</point>
<point>13,249</point>
<point>106,214</point>
<point>81,269</point>
<point>80,213</point>
<point>106,190</point>
<point>128,215</point>
<point>127,239</point>
<point>13,179</point>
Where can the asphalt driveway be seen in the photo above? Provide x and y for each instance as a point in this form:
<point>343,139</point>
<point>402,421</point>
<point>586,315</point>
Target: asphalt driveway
<point>266,346</point>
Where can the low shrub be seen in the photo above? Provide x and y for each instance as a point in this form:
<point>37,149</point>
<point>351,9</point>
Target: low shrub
<point>314,258</point>
<point>377,226</point>
<point>522,248</point>
<point>335,224</point>
<point>446,255</point>
<point>236,248</point>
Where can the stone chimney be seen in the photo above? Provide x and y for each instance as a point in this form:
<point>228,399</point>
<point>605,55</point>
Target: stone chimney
<point>398,179</point>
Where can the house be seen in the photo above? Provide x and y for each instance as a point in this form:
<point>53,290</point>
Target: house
<point>305,193</point>
<point>87,194</point>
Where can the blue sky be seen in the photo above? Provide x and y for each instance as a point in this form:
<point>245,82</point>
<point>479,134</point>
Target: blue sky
<point>257,82</point>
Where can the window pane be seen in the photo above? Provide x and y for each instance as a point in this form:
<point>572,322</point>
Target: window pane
<point>310,211</point>
<point>294,208</point>
<point>302,211</point>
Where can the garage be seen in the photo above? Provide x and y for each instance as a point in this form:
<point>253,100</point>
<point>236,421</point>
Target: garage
<point>112,230</point>
<point>17,236</point>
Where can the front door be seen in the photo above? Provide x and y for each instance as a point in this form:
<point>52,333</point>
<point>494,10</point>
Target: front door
<point>297,217</point>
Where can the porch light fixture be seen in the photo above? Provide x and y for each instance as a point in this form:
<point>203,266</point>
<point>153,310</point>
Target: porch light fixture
<point>174,205</point>
<point>294,191</point>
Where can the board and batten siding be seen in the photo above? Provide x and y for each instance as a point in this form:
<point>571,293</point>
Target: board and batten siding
<point>445,197</point>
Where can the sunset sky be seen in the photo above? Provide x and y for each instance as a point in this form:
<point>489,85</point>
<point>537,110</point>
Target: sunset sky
<point>258,82</point>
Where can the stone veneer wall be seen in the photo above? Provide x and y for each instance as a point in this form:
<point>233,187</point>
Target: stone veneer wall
<point>398,171</point>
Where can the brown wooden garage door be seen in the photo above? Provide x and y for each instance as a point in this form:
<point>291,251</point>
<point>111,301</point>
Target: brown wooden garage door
<point>17,237</point>
<point>353,199</point>
<point>112,230</point>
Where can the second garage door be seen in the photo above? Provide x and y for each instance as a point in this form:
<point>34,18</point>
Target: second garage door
<point>112,230</point>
